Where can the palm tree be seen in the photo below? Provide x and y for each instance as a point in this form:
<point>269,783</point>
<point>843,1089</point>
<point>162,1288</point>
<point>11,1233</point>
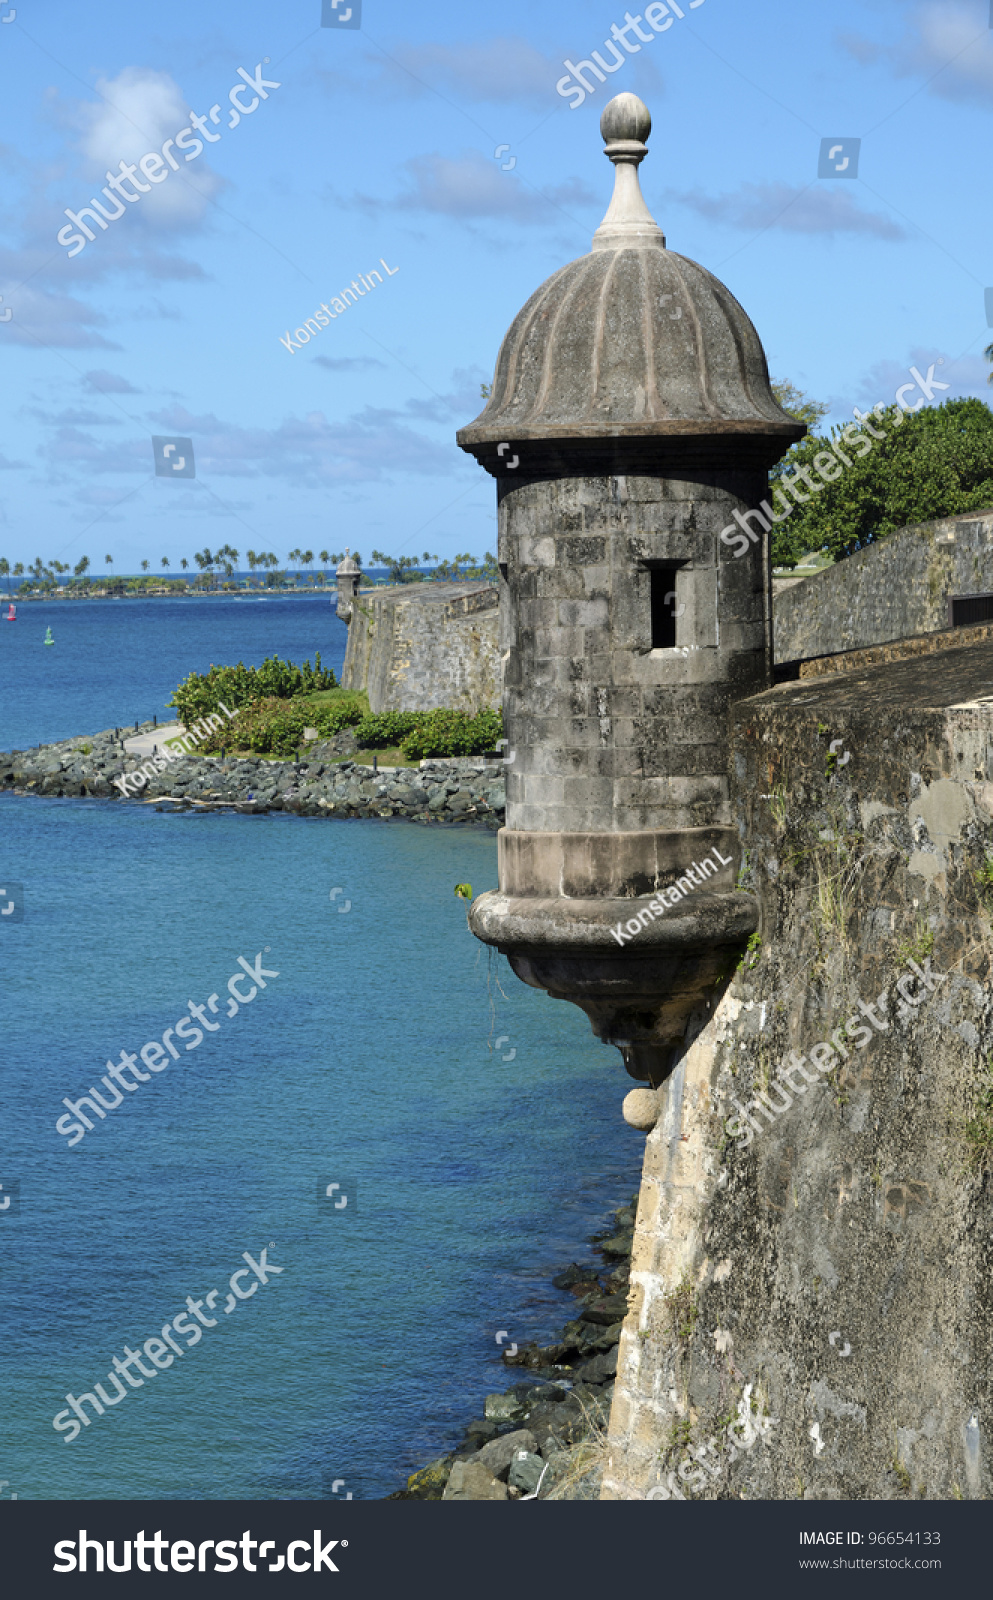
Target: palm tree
<point>144,564</point>
<point>165,559</point>
<point>5,571</point>
<point>81,566</point>
<point>184,563</point>
<point>307,557</point>
<point>325,558</point>
<point>110,562</point>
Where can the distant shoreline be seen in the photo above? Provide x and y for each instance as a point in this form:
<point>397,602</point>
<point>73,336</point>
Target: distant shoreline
<point>176,594</point>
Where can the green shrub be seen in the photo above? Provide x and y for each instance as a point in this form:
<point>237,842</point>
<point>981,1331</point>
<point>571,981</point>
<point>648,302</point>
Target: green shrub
<point>330,719</point>
<point>452,733</point>
<point>274,726</point>
<point>385,730</point>
<point>201,693</point>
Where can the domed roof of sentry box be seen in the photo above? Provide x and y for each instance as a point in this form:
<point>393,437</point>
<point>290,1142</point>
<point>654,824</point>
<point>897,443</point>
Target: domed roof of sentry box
<point>348,566</point>
<point>632,357</point>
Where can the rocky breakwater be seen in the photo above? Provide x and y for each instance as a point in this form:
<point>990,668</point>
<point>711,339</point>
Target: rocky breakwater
<point>545,1437</point>
<point>469,789</point>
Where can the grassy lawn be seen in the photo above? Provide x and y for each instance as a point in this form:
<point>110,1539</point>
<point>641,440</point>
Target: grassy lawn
<point>334,697</point>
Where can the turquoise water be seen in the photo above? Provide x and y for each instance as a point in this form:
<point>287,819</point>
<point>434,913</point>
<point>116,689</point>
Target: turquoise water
<point>472,1124</point>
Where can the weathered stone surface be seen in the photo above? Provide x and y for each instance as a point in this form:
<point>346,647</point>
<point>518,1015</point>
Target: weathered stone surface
<point>526,1471</point>
<point>471,1481</point>
<point>641,1109</point>
<point>600,1370</point>
<point>419,646</point>
<point>497,1456</point>
<point>830,1249</point>
<point>503,1408</point>
<point>892,590</point>
<point>607,1311</point>
<point>429,1483</point>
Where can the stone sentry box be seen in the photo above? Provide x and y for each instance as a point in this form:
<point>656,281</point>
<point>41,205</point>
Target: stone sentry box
<point>634,391</point>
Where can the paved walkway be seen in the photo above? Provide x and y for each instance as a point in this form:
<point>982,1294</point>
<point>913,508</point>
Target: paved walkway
<point>143,744</point>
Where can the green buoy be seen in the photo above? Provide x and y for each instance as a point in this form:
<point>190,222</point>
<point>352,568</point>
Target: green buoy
<point>48,636</point>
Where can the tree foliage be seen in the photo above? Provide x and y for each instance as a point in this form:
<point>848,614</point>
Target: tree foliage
<point>936,462</point>
<point>201,693</point>
<point>797,403</point>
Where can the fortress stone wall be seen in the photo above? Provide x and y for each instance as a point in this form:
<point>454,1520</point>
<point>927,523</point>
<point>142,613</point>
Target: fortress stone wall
<point>892,590</point>
<point>823,1266</point>
<point>415,647</point>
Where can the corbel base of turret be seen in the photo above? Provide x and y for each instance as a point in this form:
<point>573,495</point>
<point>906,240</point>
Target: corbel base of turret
<point>639,991</point>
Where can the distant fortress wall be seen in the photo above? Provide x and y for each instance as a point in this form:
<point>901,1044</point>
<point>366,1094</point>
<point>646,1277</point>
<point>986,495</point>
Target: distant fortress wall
<point>414,647</point>
<point>902,586</point>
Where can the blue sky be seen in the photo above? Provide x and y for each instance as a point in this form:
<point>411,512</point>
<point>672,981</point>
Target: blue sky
<point>380,143</point>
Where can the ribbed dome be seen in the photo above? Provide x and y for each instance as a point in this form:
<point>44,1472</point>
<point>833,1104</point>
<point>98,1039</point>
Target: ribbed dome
<point>631,343</point>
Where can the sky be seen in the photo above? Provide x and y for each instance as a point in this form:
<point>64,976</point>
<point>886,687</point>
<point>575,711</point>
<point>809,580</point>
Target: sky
<point>438,145</point>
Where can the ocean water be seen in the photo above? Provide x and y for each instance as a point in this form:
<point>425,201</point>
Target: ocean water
<point>118,661</point>
<point>471,1124</point>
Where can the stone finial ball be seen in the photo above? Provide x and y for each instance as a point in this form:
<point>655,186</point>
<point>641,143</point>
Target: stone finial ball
<point>626,117</point>
<point>641,1108</point>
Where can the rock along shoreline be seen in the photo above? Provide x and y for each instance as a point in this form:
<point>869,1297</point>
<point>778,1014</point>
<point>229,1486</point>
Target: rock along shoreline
<point>466,789</point>
<point>545,1437</point>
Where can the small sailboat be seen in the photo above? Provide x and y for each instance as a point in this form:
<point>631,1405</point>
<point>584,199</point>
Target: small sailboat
<point>11,614</point>
<point>48,636</point>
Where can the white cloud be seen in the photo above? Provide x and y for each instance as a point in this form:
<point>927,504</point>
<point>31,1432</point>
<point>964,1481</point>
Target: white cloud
<point>946,41</point>
<point>347,363</point>
<point>828,208</point>
<point>964,375</point>
<point>500,71</point>
<point>99,381</point>
<point>43,318</point>
<point>137,112</point>
<point>469,188</point>
<point>372,445</point>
